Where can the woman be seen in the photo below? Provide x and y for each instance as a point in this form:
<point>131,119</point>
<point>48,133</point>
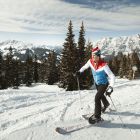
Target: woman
<point>101,74</point>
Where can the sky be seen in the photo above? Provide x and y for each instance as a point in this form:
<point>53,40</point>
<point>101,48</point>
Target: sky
<point>46,21</point>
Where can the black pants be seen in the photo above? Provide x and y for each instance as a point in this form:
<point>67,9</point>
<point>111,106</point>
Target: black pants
<point>100,97</point>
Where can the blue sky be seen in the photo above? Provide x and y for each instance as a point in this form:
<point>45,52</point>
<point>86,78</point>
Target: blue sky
<point>46,21</point>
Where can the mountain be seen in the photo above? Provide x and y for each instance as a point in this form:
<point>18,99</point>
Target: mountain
<point>110,46</point>
<point>125,44</point>
<point>21,49</point>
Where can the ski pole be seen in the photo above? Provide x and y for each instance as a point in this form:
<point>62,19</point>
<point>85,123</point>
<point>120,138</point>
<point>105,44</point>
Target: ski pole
<point>124,125</point>
<point>118,114</point>
<point>79,92</point>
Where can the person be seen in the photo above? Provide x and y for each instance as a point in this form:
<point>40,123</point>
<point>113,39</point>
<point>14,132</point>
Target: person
<point>104,81</point>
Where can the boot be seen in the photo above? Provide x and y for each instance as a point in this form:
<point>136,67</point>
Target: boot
<point>93,119</point>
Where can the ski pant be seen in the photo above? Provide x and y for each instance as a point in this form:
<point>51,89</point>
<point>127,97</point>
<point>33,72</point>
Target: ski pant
<point>100,97</point>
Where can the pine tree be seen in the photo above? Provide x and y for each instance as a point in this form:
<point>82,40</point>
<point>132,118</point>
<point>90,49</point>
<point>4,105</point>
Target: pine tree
<point>81,47</point>
<point>1,72</point>
<point>3,84</point>
<point>1,60</point>
<point>9,75</point>
<point>42,71</point>
<point>81,55</point>
<point>29,71</point>
<point>89,47</point>
<point>22,68</point>
<point>36,77</point>
<point>123,67</point>
<point>114,65</point>
<point>52,73</point>
<point>16,82</point>
<point>130,71</point>
<point>88,74</point>
<point>68,61</point>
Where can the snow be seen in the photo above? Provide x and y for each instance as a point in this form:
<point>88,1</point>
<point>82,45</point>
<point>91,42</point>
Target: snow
<point>125,44</point>
<point>108,45</point>
<point>33,113</point>
<point>23,51</point>
<point>20,46</point>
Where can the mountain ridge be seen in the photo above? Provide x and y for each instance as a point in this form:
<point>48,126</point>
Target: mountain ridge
<point>124,44</point>
<point>109,46</point>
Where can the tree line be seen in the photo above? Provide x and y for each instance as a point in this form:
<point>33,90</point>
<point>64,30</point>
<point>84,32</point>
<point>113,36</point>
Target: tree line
<point>126,66</point>
<point>14,72</point>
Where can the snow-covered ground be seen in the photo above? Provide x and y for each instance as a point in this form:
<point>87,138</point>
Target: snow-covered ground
<point>32,113</point>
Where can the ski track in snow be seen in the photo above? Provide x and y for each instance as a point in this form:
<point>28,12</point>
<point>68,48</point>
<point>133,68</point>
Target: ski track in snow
<point>47,106</point>
<point>28,110</point>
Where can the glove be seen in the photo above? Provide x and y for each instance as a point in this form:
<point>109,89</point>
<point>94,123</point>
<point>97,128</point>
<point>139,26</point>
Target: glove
<point>109,91</point>
<point>78,73</point>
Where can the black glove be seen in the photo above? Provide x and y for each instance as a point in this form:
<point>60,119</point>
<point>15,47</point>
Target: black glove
<point>78,73</point>
<point>109,91</point>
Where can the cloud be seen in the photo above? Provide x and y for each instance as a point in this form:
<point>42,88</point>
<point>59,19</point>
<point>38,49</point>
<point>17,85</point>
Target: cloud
<point>52,17</point>
<point>109,5</point>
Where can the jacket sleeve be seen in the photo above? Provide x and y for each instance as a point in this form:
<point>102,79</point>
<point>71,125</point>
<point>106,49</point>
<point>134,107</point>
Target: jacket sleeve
<point>110,75</point>
<point>86,66</point>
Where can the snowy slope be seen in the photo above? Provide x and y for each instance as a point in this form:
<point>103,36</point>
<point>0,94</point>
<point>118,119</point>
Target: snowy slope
<point>32,113</point>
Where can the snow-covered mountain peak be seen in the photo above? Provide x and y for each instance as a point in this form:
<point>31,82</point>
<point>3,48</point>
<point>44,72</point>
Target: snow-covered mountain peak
<point>18,45</point>
<point>125,44</point>
<point>108,45</point>
<point>21,49</point>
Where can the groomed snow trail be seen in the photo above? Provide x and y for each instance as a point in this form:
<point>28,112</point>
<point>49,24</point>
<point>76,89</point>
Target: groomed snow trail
<point>32,113</point>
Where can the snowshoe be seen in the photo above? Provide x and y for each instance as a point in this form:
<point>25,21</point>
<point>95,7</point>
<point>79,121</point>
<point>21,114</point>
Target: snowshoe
<point>93,119</point>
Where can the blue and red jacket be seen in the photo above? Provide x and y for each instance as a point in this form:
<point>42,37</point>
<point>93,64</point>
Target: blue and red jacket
<point>101,72</point>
